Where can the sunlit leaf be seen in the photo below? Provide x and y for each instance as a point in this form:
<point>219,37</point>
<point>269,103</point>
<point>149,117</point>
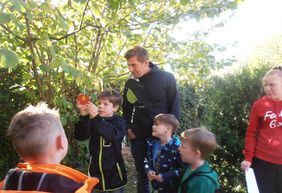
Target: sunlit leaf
<point>57,62</point>
<point>19,5</point>
<point>114,4</point>
<point>45,68</point>
<point>8,58</point>
<point>4,18</point>
<point>61,23</point>
<point>184,2</point>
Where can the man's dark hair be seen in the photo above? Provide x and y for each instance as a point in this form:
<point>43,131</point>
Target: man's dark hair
<point>138,51</point>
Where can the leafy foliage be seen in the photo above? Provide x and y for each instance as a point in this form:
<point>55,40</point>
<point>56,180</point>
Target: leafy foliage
<point>189,107</point>
<point>12,100</point>
<point>226,112</point>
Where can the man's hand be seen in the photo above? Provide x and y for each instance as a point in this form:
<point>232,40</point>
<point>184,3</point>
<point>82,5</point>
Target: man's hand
<point>159,178</point>
<point>151,175</point>
<point>245,165</point>
<point>130,134</point>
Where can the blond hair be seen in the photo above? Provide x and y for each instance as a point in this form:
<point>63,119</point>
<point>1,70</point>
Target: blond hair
<point>277,70</point>
<point>30,129</point>
<point>200,139</point>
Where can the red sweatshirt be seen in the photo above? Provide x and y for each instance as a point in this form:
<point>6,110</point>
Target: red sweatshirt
<point>264,134</point>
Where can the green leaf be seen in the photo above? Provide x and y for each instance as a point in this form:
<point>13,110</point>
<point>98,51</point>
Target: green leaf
<point>114,4</point>
<point>66,68</point>
<point>64,120</point>
<point>45,68</point>
<point>19,5</point>
<point>184,2</point>
<point>4,18</point>
<point>87,81</point>
<point>57,62</point>
<point>61,23</point>
<point>8,58</point>
<point>131,96</point>
<point>45,7</point>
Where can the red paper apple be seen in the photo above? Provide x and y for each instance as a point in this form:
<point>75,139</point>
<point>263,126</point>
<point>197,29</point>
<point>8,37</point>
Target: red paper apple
<point>83,99</point>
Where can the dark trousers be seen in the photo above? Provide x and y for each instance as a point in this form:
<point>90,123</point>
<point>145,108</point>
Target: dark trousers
<point>138,151</point>
<point>268,176</point>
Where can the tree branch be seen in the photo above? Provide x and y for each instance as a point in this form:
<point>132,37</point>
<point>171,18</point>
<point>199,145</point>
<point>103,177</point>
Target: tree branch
<point>67,35</point>
<point>83,14</point>
<point>94,49</point>
<point>100,46</point>
<point>11,32</point>
<point>34,65</point>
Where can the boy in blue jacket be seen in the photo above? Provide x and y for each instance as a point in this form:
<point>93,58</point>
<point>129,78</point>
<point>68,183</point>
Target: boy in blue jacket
<point>163,159</point>
<point>105,131</point>
<point>196,145</point>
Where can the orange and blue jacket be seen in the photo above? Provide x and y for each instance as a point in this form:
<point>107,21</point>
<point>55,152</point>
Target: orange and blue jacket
<point>54,178</point>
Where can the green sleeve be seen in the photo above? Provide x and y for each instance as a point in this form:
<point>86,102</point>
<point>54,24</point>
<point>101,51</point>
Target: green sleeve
<point>201,184</point>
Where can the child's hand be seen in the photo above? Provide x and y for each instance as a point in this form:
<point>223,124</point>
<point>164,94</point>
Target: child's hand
<point>82,108</point>
<point>91,109</point>
<point>245,165</point>
<point>159,178</point>
<point>151,175</point>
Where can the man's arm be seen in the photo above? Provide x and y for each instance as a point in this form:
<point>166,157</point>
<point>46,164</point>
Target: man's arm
<point>127,108</point>
<point>173,97</point>
<point>128,111</point>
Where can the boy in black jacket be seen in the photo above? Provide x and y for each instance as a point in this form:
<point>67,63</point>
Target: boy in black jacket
<point>105,131</point>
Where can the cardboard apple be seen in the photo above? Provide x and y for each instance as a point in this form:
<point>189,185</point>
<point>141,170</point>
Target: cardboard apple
<point>83,99</point>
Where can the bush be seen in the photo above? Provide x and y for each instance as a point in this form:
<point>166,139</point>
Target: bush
<point>13,99</point>
<point>226,112</point>
<point>189,107</point>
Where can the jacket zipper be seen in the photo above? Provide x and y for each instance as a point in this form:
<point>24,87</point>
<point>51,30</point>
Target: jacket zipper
<point>119,171</point>
<point>100,163</point>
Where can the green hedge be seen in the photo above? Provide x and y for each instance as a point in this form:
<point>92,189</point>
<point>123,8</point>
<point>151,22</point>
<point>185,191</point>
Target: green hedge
<point>12,99</point>
<point>226,112</point>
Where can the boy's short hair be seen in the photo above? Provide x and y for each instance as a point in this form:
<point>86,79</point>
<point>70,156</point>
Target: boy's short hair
<point>138,51</point>
<point>112,95</point>
<point>167,119</point>
<point>30,129</point>
<point>200,138</point>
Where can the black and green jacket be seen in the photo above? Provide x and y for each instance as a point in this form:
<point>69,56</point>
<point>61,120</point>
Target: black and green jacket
<point>144,98</point>
<point>106,162</point>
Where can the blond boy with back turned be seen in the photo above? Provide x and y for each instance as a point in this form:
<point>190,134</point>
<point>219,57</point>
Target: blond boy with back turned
<point>39,139</point>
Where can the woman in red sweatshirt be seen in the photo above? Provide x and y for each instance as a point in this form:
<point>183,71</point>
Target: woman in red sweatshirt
<point>263,141</point>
